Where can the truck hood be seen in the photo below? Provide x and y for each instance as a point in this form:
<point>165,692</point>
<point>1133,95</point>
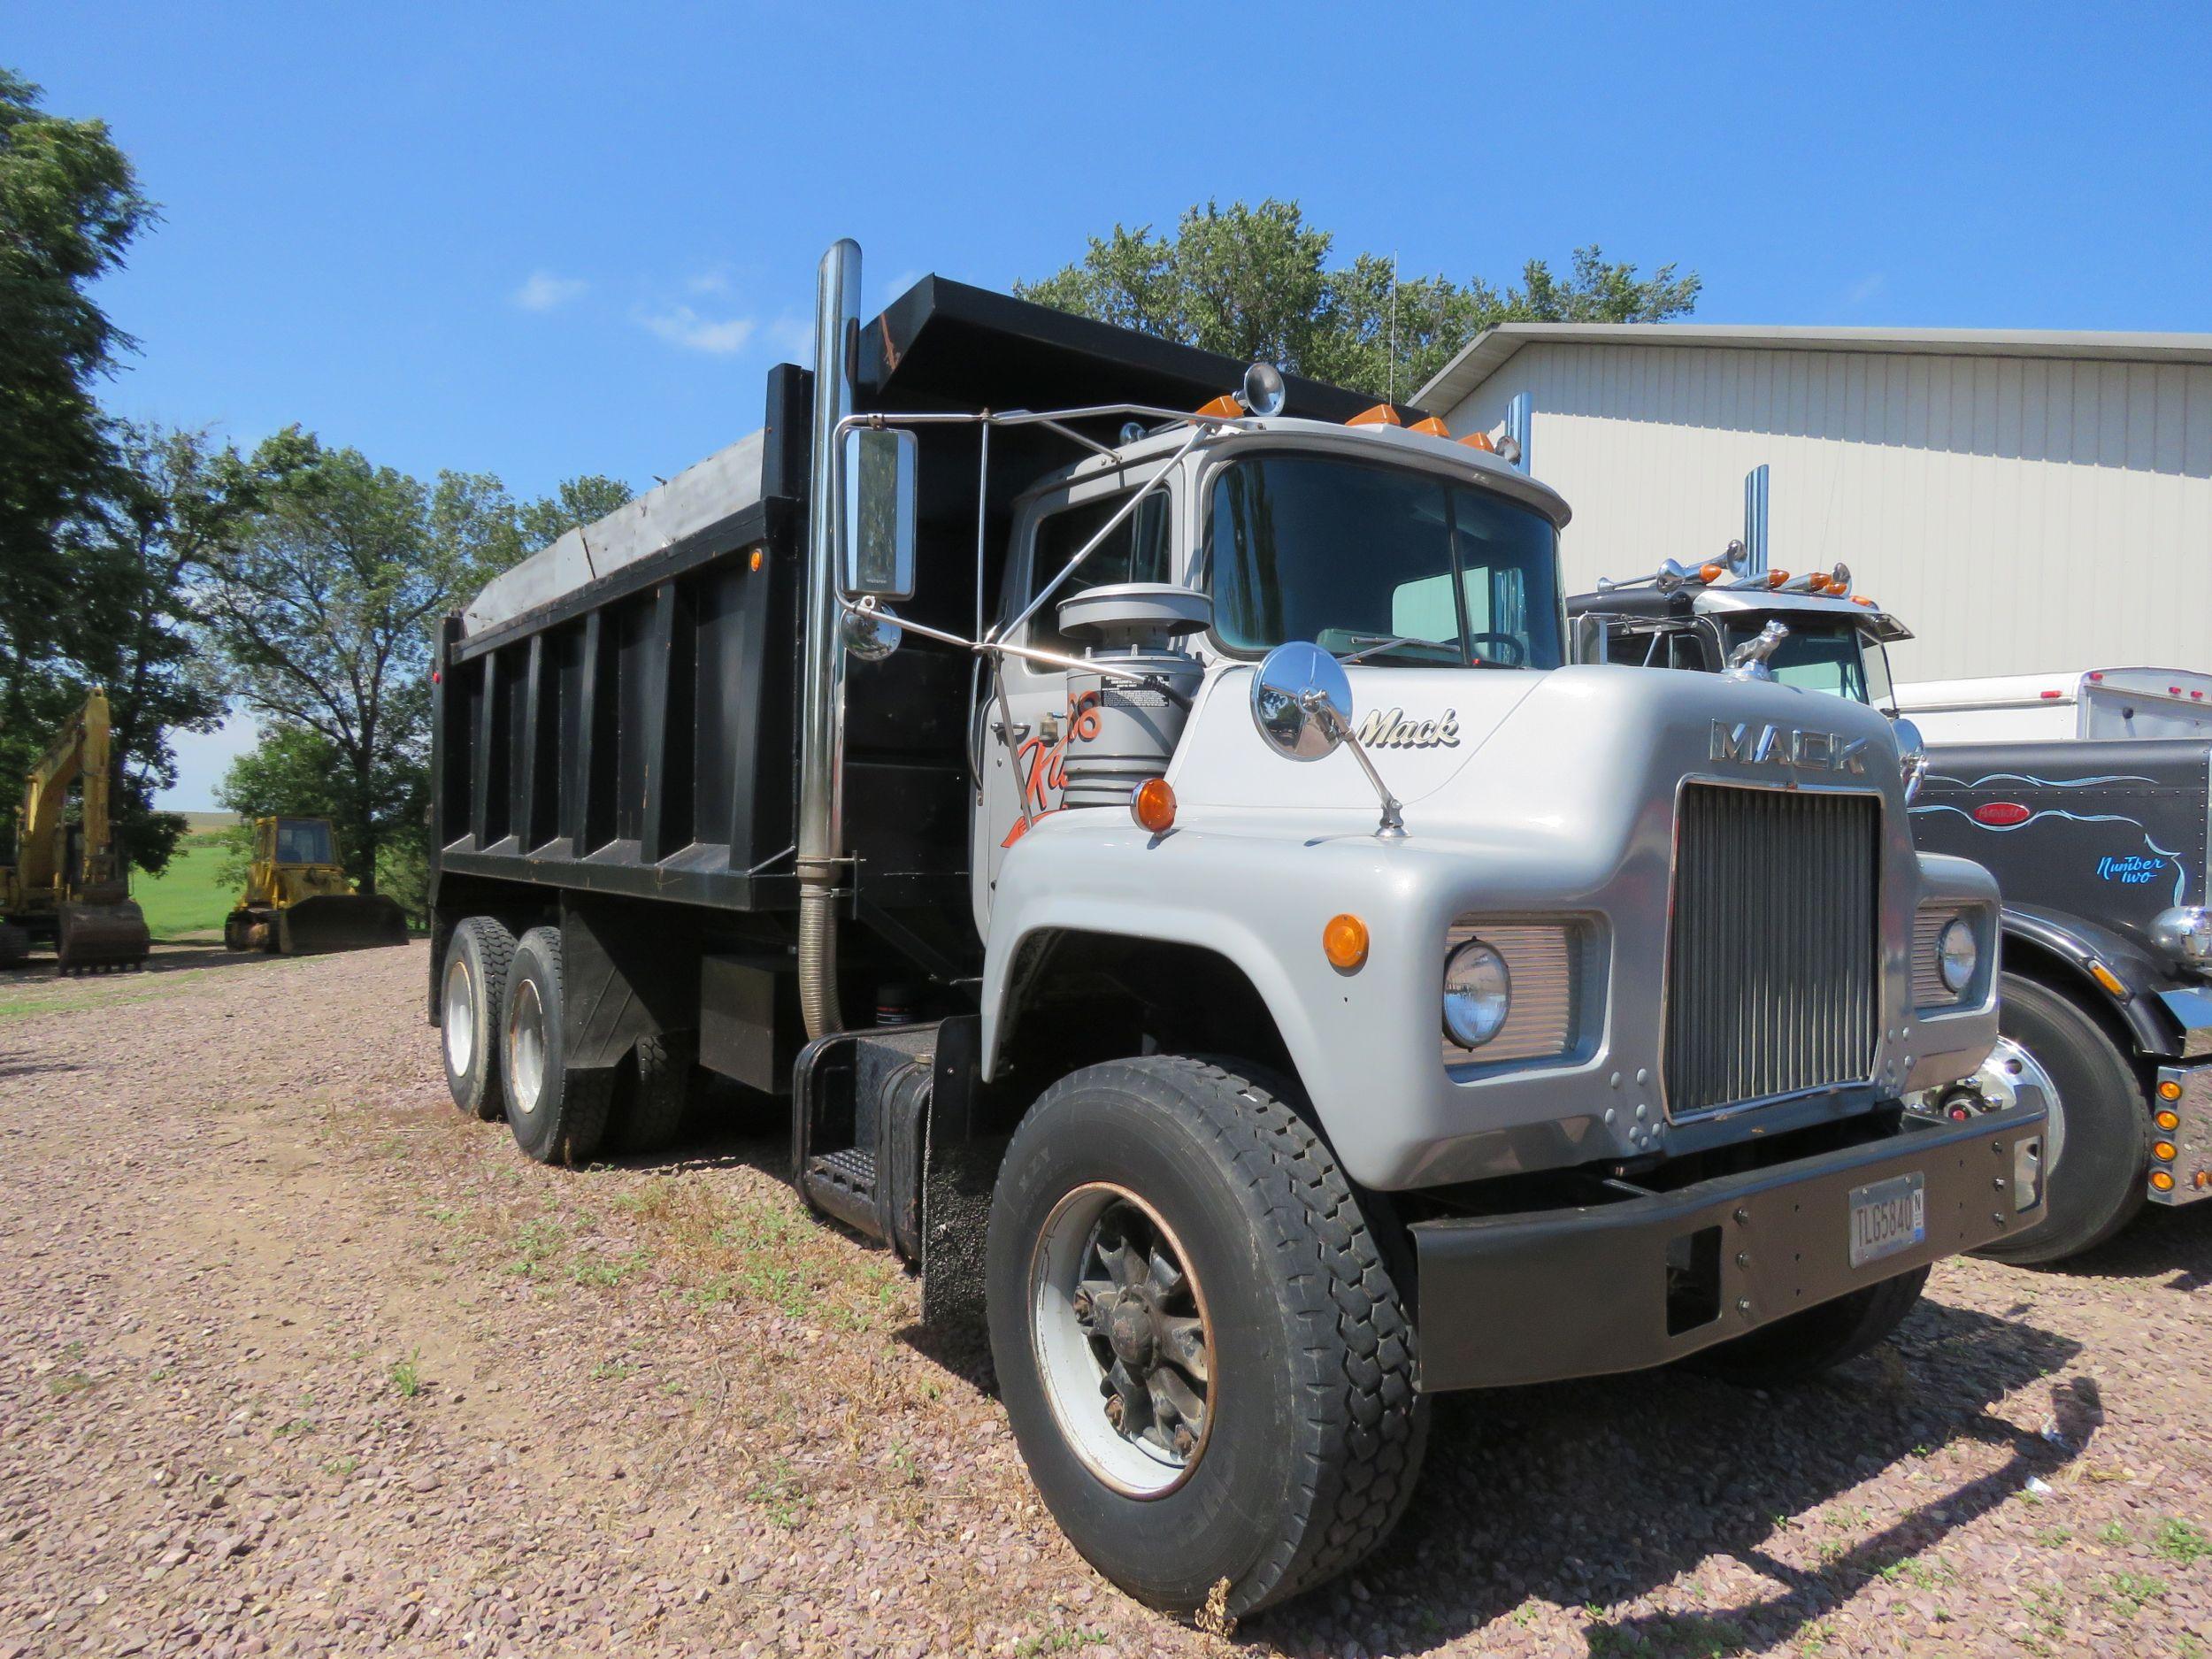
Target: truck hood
<point>1558,748</point>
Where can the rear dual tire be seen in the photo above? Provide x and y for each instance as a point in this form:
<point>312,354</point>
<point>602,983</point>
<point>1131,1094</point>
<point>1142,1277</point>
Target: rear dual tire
<point>558,1116</point>
<point>1204,1345</point>
<point>472,997</point>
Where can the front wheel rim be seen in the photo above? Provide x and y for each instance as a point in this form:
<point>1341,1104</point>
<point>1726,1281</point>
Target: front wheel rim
<point>2010,1065</point>
<point>1122,1341</point>
<point>525,1048</point>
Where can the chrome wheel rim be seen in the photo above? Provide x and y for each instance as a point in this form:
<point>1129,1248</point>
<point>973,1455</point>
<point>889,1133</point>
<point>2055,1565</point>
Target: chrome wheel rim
<point>1121,1339</point>
<point>2007,1067</point>
<point>460,1018</point>
<point>526,1048</point>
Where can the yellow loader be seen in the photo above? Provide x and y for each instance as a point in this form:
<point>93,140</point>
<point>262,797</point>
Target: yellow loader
<point>297,901</point>
<point>68,883</point>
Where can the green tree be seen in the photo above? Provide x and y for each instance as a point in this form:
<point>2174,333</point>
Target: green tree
<point>327,613</point>
<point>177,507</point>
<point>69,207</point>
<point>1254,282</point>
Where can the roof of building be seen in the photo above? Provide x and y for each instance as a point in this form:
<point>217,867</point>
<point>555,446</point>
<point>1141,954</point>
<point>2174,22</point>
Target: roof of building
<point>1483,356</point>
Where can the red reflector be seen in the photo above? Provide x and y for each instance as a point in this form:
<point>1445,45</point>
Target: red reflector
<point>436,678</point>
<point>2049,696</point>
<point>2001,814</point>
<point>2173,691</point>
<point>2098,677</point>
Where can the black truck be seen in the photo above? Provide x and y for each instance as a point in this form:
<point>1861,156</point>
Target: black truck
<point>2099,847</point>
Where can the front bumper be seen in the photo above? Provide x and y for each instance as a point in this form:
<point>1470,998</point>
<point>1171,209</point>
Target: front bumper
<point>1651,1278</point>
<point>2188,1173</point>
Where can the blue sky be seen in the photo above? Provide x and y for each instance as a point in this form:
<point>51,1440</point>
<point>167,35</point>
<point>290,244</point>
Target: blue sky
<point>548,240</point>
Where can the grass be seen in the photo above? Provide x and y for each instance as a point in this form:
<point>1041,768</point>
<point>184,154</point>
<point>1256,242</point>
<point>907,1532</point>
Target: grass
<point>2181,1543</point>
<point>407,1375</point>
<point>186,898</point>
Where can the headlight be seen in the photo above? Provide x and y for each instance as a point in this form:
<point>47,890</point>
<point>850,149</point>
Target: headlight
<point>1477,992</point>
<point>1957,956</point>
<point>2184,933</point>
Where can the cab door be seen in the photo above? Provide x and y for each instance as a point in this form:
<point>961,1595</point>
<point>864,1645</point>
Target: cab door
<point>1022,774</point>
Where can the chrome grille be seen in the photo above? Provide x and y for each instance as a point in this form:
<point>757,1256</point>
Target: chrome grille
<point>1545,964</point>
<point>1773,961</point>
<point>1928,989</point>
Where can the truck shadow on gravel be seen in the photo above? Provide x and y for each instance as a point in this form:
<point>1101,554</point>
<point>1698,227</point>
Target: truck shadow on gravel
<point>1588,1495</point>
<point>2158,1243</point>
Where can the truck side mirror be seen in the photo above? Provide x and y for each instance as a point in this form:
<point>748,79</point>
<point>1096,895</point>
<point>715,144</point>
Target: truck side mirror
<point>879,467</point>
<point>1302,701</point>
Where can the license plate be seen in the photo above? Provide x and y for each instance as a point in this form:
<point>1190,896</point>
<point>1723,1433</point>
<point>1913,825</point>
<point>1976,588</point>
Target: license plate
<point>1888,1217</point>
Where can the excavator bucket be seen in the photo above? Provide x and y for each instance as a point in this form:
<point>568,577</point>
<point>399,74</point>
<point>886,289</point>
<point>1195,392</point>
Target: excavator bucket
<point>96,937</point>
<point>339,921</point>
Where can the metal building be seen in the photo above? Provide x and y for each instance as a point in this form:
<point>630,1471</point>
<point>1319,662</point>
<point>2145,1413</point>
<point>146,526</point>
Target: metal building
<point>2024,500</point>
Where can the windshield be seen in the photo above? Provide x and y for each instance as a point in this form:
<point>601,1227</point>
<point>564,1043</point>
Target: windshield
<point>1384,561</point>
<point>303,840</point>
<point>1832,661</point>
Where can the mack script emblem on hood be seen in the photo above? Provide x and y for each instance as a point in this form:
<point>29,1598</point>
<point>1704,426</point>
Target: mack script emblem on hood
<point>1786,746</point>
<point>1389,729</point>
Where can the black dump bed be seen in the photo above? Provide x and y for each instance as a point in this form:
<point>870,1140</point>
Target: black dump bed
<point>634,731</point>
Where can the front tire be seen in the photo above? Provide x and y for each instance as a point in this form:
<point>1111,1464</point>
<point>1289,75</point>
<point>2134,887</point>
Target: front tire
<point>1801,1347</point>
<point>558,1116</point>
<point>1202,1346</point>
<point>472,997</point>
<point>2100,1134</point>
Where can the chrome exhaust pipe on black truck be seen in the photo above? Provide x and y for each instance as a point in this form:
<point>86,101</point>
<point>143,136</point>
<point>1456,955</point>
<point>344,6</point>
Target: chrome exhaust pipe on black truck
<point>822,678</point>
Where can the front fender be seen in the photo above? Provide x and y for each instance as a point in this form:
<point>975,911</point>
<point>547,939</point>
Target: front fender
<point>2082,947</point>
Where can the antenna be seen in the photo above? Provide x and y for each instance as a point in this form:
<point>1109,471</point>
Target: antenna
<point>1390,386</point>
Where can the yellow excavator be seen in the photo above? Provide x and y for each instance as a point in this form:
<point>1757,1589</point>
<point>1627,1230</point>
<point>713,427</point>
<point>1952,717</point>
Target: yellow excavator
<point>297,901</point>
<point>68,883</point>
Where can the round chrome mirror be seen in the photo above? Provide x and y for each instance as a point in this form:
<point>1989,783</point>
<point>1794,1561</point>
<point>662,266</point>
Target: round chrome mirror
<point>1264,389</point>
<point>871,633</point>
<point>1302,701</point>
<point>1912,756</point>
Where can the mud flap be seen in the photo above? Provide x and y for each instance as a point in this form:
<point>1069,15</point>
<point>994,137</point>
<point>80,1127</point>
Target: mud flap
<point>339,921</point>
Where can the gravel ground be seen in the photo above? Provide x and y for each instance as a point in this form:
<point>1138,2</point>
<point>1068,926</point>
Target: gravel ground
<point>294,1359</point>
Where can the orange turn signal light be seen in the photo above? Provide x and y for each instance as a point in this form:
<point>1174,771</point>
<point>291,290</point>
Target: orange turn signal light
<point>1344,942</point>
<point>2164,1151</point>
<point>1775,579</point>
<point>1431,425</point>
<point>755,560</point>
<point>1480,441</point>
<point>1710,573</point>
<point>2163,1181</point>
<point>2110,981</point>
<point>2169,1090</point>
<point>1152,803</point>
<point>1381,415</point>
<point>2169,1121</point>
<point>1861,599</point>
<point>1225,405</point>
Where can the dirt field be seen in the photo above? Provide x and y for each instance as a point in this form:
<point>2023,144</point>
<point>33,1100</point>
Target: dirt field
<point>294,1359</point>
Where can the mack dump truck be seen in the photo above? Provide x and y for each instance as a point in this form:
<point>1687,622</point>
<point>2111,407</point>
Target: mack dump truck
<point>2086,796</point>
<point>1149,835</point>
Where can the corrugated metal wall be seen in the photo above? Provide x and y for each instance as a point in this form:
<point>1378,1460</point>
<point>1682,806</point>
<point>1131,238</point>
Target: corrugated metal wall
<point>2019,514</point>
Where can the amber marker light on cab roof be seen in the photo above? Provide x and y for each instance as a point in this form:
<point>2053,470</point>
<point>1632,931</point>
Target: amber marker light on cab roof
<point>1152,803</point>
<point>1344,942</point>
<point>1226,406</point>
<point>1381,415</point>
<point>1431,425</point>
<point>1480,441</point>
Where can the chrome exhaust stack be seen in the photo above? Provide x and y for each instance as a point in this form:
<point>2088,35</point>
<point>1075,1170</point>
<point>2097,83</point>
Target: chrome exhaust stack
<point>822,676</point>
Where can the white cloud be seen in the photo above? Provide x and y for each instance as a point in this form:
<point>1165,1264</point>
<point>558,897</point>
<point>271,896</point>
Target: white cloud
<point>546,292</point>
<point>792,338</point>
<point>680,325</point>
